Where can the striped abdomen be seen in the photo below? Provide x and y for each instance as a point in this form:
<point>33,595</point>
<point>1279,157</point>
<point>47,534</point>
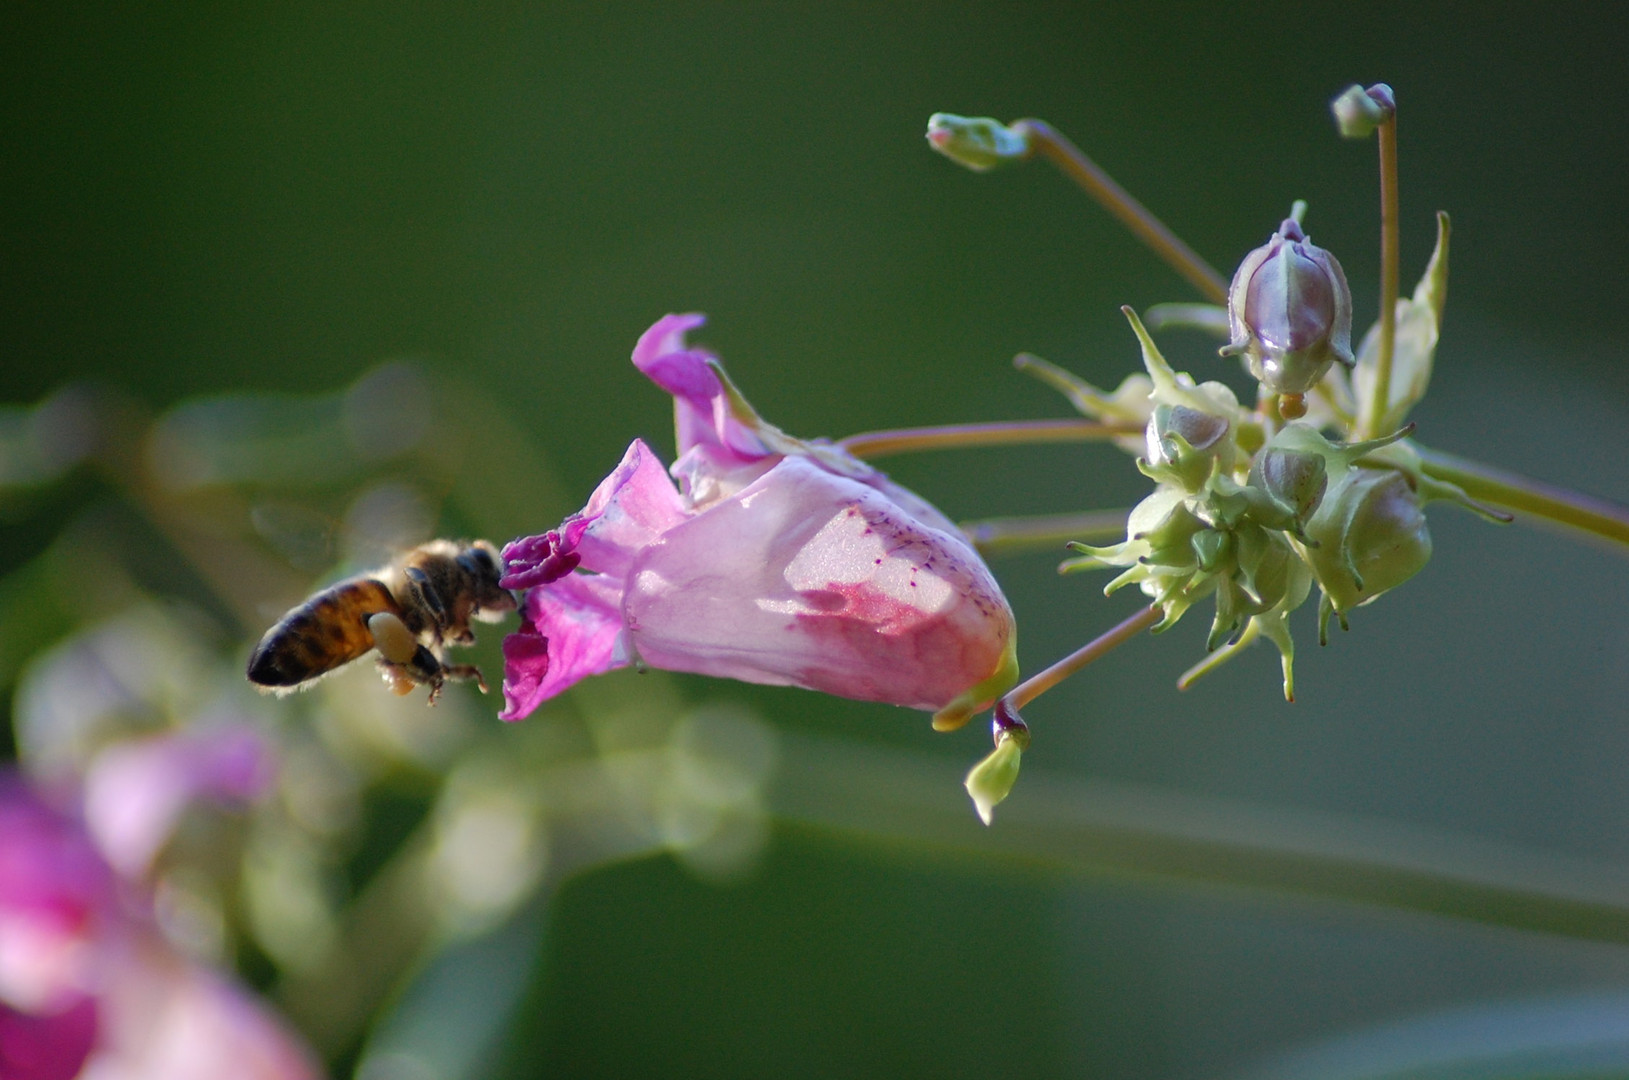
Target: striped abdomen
<point>327,631</point>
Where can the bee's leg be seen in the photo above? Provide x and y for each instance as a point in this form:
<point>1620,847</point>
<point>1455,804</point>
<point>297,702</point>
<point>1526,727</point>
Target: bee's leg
<point>423,670</point>
<point>402,660</point>
<point>392,638</point>
<point>465,671</point>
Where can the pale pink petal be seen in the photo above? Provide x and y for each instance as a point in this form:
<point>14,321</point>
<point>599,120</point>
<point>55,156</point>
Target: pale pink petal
<point>135,791</point>
<point>631,509</point>
<point>817,580</point>
<point>134,794</point>
<point>167,1019</point>
<point>803,566</point>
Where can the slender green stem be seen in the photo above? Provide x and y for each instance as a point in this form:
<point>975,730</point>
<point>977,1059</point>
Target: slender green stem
<point>874,444</point>
<point>1379,403</point>
<point>1038,684</point>
<point>1010,534</point>
<point>1096,826</point>
<point>1597,517</point>
<point>1056,148</point>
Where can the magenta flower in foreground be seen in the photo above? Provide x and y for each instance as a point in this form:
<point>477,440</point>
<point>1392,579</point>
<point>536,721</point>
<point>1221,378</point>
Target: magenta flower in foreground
<point>90,988</point>
<point>773,561</point>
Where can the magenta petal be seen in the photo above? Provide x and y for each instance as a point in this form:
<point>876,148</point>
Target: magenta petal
<point>569,631</point>
<point>701,408</point>
<point>663,339</point>
<point>48,866</point>
<point>525,663</point>
<point>631,508</point>
<point>50,1046</point>
<point>538,560</point>
<point>685,373</point>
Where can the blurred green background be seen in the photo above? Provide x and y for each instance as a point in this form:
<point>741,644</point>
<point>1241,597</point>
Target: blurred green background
<point>275,199</point>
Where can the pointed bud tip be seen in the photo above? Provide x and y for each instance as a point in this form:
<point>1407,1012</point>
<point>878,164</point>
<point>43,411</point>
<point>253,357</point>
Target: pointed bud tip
<point>1358,111</point>
<point>977,142</point>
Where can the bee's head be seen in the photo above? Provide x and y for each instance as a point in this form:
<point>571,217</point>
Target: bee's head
<point>480,560</point>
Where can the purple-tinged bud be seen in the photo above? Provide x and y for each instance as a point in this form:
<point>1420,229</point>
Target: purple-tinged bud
<point>1358,111</point>
<point>977,142</point>
<point>1290,312</point>
<point>1188,442</point>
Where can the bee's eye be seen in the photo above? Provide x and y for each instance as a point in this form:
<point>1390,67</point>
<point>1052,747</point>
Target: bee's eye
<point>478,561</point>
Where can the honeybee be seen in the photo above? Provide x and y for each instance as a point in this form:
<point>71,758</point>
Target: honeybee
<point>408,611</point>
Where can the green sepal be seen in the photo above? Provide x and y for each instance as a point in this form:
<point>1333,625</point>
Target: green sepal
<point>1419,326</point>
<point>981,695</point>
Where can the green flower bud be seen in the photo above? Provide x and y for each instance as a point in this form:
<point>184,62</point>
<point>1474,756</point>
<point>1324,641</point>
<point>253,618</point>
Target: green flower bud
<point>1371,536</point>
<point>1212,548</point>
<point>1294,479</point>
<point>1264,571</point>
<point>977,142</point>
<point>1290,312</point>
<point>1265,562</point>
<point>1358,111</point>
<point>1159,551</point>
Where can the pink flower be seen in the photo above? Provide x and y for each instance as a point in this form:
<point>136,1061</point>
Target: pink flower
<point>89,987</point>
<point>773,561</point>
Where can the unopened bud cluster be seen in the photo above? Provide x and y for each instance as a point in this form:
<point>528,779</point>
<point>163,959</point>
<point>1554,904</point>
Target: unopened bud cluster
<point>1314,482</point>
<point>1252,510</point>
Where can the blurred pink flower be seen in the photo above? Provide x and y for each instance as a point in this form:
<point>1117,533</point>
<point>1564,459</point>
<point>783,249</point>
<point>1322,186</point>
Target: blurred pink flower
<point>89,988</point>
<point>136,790</point>
<point>774,561</point>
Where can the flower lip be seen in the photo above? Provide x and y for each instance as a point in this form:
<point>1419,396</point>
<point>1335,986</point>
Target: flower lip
<point>537,560</point>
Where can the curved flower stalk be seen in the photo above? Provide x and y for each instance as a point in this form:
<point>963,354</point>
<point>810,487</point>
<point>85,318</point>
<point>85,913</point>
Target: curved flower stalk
<point>773,560</point>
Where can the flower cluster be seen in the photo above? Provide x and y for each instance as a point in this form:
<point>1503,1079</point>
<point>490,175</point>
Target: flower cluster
<point>1253,508</point>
